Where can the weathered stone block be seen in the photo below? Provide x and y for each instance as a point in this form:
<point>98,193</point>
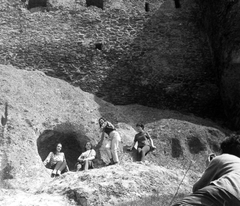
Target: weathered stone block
<point>63,3</point>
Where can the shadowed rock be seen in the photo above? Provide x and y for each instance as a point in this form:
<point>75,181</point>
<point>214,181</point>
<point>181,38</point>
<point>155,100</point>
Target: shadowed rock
<point>176,148</point>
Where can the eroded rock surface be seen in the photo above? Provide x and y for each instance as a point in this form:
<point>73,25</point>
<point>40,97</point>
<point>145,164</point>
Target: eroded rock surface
<point>117,184</point>
<point>43,111</point>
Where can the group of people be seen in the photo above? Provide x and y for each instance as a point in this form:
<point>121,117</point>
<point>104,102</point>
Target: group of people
<point>111,140</point>
<point>218,186</point>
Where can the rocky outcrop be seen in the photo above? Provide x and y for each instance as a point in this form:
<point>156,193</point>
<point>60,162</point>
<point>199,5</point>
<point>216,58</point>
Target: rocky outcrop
<point>119,184</point>
<point>106,186</point>
<point>42,111</point>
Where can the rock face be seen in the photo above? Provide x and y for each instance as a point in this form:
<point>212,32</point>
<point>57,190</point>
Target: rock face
<point>106,186</point>
<point>63,3</point>
<point>52,3</point>
<point>117,184</point>
<point>43,111</point>
<point>156,58</point>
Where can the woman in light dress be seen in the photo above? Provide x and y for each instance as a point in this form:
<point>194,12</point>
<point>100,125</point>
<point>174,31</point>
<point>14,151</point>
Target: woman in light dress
<point>56,161</point>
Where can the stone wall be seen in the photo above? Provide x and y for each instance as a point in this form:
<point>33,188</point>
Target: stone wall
<point>155,58</point>
<point>63,3</point>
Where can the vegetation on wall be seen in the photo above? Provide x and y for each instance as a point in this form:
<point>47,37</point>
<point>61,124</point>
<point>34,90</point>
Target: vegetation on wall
<point>218,21</point>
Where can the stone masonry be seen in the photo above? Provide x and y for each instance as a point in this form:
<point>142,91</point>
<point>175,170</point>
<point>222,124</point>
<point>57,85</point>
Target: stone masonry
<point>156,58</point>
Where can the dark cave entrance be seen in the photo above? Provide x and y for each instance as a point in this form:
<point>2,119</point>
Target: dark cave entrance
<point>176,148</point>
<point>71,146</point>
<point>37,3</point>
<point>195,145</point>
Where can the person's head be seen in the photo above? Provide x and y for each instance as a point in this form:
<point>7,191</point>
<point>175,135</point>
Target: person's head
<point>88,146</point>
<point>58,147</point>
<point>231,145</point>
<point>101,121</point>
<point>140,127</point>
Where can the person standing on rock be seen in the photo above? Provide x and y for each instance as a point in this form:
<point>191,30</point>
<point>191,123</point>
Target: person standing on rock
<point>220,183</point>
<point>57,161</point>
<point>104,123</point>
<point>145,143</point>
<point>114,136</point>
<point>85,160</point>
<point>105,150</point>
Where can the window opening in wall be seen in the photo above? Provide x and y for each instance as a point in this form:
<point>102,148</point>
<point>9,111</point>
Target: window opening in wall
<point>97,3</point>
<point>177,4</point>
<point>147,7</point>
<point>36,3</point>
<point>98,46</point>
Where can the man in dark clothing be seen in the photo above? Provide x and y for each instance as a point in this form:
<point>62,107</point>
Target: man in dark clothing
<point>220,183</point>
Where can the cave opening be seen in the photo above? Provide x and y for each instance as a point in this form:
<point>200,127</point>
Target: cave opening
<point>195,145</point>
<point>71,145</point>
<point>36,3</point>
<point>176,148</point>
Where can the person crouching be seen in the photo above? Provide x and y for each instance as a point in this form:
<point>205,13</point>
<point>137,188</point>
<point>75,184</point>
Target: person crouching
<point>85,160</point>
<point>57,161</point>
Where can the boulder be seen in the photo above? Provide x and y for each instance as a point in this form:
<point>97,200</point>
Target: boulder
<point>127,183</point>
<point>119,184</point>
<point>42,111</point>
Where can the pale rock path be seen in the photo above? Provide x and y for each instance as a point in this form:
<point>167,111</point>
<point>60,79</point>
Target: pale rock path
<point>20,198</point>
